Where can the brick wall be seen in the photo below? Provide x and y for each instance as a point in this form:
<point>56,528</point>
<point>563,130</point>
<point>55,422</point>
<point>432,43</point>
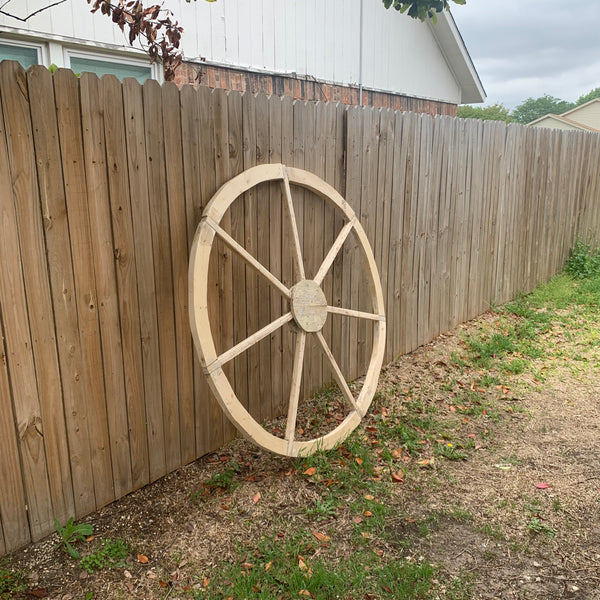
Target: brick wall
<point>303,88</point>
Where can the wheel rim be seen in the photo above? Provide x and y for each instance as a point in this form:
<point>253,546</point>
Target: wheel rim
<point>308,309</point>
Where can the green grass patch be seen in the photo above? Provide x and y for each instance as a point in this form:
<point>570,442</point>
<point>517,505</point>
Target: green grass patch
<point>110,555</point>
<point>294,567</point>
<point>11,582</point>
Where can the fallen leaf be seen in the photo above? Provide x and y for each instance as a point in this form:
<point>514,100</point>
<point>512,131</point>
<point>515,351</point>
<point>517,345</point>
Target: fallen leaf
<point>127,574</point>
<point>304,593</point>
<point>321,536</point>
<point>205,582</point>
<point>369,497</point>
<point>89,539</point>
<point>366,534</point>
<point>397,453</point>
<point>255,588</point>
<point>358,460</point>
<point>38,592</point>
<point>268,565</point>
<point>163,583</point>
<point>142,558</point>
<point>224,507</point>
<point>385,588</point>
<point>357,520</point>
<point>310,471</point>
<point>256,497</point>
<point>247,566</point>
<point>301,564</point>
<point>541,486</point>
<point>368,513</point>
<point>398,477</point>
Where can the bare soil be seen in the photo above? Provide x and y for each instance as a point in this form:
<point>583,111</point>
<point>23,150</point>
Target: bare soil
<point>483,515</point>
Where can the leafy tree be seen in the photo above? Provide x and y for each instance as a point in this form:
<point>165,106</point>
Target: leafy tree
<point>494,112</point>
<point>595,93</point>
<point>421,9</point>
<point>534,108</point>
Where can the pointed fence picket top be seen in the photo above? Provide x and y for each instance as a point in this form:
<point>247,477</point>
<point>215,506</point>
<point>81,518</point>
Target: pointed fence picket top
<point>102,185</point>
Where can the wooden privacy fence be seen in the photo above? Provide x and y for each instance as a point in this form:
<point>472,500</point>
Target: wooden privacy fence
<point>101,187</point>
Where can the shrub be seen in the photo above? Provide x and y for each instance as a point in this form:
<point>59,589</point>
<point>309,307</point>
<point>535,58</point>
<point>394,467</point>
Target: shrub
<point>583,261</point>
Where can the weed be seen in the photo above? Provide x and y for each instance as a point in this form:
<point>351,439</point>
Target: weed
<point>111,554</point>
<point>225,480</point>
<point>583,261</point>
<point>450,452</point>
<point>493,531</point>
<point>323,509</point>
<point>533,506</point>
<point>536,526</point>
<point>11,582</point>
<point>71,533</point>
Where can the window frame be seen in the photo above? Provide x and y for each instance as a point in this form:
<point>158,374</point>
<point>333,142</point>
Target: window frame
<point>68,52</point>
<point>40,48</point>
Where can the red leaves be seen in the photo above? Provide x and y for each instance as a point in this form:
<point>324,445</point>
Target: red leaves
<point>161,35</point>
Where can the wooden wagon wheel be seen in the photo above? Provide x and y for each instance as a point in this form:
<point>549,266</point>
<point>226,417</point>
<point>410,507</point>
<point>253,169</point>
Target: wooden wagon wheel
<point>308,309</point>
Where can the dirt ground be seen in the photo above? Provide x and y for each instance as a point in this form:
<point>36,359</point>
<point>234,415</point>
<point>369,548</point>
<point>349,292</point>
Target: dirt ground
<point>487,515</point>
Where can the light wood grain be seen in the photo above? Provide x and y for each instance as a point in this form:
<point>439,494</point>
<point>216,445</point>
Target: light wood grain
<point>142,233</point>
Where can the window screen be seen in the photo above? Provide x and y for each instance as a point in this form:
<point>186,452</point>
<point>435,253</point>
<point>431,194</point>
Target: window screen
<point>104,67</point>
<point>26,56</point>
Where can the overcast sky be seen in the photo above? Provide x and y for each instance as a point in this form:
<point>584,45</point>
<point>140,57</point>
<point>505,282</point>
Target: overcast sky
<point>528,48</point>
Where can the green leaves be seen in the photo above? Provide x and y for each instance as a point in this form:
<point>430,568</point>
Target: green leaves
<point>421,9</point>
<point>71,533</point>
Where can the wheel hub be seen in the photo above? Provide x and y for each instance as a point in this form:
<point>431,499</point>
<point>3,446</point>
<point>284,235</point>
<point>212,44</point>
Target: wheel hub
<point>308,305</point>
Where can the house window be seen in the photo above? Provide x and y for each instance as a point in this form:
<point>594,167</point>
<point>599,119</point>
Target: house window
<point>25,54</point>
<point>100,66</point>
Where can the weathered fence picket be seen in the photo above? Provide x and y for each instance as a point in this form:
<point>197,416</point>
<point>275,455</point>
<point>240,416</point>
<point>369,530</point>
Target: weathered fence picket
<point>102,185</point>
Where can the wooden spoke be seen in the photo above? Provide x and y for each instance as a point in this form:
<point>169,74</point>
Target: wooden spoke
<point>294,226</point>
<point>248,257</point>
<point>339,376</point>
<point>359,314</point>
<point>290,429</point>
<point>307,308</point>
<point>248,342</point>
<point>333,251</point>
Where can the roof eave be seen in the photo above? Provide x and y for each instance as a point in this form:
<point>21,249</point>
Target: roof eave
<point>457,56</point>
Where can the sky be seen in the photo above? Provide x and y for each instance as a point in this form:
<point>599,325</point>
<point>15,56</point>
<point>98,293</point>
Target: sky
<point>527,48</point>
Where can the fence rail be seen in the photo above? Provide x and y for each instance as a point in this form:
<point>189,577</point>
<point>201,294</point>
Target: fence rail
<point>101,187</point>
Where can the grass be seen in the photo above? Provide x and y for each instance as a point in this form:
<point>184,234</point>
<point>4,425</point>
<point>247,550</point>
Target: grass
<point>352,533</point>
<point>353,481</point>
<point>111,554</point>
<point>11,582</point>
<point>294,567</point>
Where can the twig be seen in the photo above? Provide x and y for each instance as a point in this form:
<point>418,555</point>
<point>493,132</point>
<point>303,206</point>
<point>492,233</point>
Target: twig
<point>585,480</point>
<point>24,19</point>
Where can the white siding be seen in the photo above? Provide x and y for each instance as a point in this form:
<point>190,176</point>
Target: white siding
<point>551,123</point>
<point>318,38</point>
<point>587,114</point>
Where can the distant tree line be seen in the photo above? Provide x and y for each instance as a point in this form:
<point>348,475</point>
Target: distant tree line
<point>529,110</point>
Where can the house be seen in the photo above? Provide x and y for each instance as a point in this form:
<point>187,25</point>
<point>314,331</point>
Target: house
<point>585,117</point>
<point>353,51</point>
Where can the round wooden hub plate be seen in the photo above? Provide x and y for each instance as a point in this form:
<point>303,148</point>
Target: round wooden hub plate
<point>309,305</point>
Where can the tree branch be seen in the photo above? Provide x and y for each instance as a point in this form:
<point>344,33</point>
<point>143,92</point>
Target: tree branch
<point>24,19</point>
